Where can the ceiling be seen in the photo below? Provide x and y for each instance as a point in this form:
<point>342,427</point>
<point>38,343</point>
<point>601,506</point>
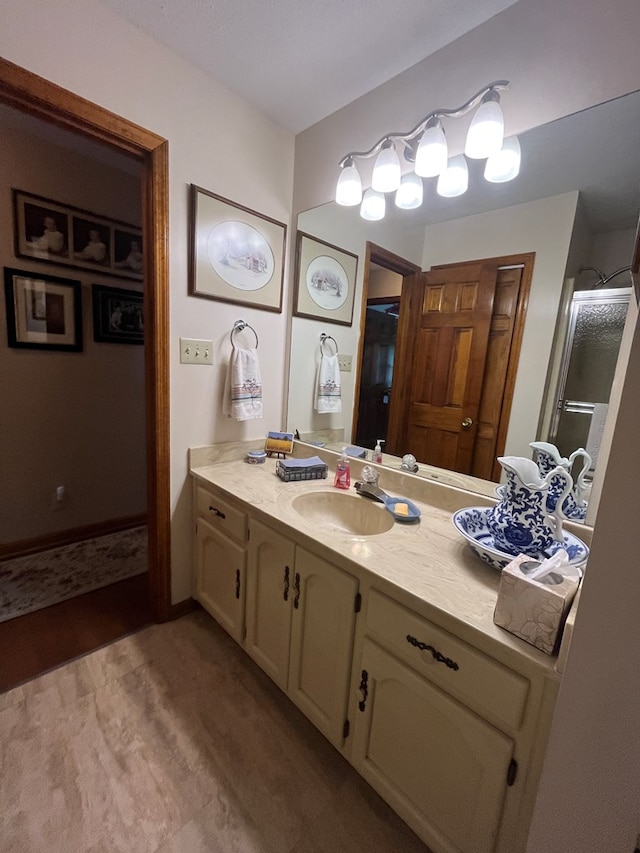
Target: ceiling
<point>297,60</point>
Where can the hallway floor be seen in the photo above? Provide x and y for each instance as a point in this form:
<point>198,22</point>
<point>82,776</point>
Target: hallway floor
<point>36,642</point>
<point>171,740</point>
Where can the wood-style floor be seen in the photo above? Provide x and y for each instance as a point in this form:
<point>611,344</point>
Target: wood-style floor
<point>32,644</point>
<point>171,740</point>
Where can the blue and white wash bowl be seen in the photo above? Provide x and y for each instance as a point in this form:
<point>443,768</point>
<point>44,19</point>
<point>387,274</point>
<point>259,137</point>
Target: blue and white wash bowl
<point>521,522</point>
<point>471,523</point>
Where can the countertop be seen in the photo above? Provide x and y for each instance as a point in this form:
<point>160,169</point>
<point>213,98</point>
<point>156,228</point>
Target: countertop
<point>425,565</point>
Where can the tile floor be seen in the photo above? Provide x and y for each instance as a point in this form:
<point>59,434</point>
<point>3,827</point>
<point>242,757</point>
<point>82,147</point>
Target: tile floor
<point>172,741</point>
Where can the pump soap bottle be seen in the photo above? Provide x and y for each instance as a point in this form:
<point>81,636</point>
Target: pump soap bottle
<point>343,471</point>
<point>377,451</point>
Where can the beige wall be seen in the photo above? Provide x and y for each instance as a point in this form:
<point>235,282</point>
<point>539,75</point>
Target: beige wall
<point>216,141</point>
<point>71,419</point>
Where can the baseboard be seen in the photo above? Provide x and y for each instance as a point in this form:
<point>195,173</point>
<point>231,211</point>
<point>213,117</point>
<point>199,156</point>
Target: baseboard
<point>182,608</point>
<point>67,537</point>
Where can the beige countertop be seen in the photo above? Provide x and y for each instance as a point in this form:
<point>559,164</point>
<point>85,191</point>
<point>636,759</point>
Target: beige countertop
<point>425,565</point>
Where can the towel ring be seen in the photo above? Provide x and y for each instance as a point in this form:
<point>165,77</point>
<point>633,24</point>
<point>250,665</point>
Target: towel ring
<point>323,340</point>
<point>240,326</point>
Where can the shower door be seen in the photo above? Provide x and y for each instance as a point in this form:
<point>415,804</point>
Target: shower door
<point>596,322</point>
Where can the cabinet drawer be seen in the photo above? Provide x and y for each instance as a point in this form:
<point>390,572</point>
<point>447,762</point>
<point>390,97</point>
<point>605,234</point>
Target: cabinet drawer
<point>221,514</point>
<point>464,672</point>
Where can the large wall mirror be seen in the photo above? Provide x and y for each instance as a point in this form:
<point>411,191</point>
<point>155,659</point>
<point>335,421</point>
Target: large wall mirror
<point>569,219</point>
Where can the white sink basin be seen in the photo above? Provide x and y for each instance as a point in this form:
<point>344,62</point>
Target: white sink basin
<point>343,512</point>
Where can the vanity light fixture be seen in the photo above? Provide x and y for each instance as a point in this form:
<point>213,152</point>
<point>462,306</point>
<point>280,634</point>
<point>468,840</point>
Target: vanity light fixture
<point>409,193</point>
<point>425,147</point>
<point>373,205</point>
<point>505,165</point>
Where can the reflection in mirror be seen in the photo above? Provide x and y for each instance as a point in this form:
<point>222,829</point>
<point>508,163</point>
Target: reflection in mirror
<point>574,208</point>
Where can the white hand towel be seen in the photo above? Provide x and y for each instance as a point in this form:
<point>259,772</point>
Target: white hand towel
<point>243,387</point>
<point>328,391</point>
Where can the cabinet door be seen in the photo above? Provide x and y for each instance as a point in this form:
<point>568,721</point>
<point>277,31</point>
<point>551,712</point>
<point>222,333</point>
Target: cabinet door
<point>442,768</point>
<point>322,642</point>
<point>269,597</point>
<point>220,578</point>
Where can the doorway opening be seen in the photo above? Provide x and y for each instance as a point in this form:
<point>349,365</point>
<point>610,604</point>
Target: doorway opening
<point>31,94</point>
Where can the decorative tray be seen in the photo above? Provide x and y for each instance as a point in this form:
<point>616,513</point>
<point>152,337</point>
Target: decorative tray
<point>471,523</point>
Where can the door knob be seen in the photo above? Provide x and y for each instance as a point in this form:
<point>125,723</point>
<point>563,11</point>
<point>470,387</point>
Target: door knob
<point>466,423</point>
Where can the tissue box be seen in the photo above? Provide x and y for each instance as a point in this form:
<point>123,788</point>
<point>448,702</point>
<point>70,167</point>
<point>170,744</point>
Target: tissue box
<point>533,610</point>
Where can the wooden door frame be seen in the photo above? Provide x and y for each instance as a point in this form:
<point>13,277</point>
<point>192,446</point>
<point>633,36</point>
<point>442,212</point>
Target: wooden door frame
<point>374,254</point>
<point>30,93</point>
<point>527,260</point>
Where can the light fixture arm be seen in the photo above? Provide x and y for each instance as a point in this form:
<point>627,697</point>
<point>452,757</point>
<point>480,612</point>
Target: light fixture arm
<point>406,138</point>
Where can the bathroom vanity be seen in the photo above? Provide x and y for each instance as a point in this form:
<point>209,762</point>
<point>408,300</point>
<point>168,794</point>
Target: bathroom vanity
<point>385,640</point>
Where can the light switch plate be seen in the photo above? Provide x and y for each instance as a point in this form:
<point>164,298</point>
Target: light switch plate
<point>193,351</point>
<point>344,362</point>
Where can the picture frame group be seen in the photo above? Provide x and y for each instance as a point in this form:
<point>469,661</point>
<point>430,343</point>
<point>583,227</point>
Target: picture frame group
<point>56,233</point>
<point>45,312</point>
<point>237,254</point>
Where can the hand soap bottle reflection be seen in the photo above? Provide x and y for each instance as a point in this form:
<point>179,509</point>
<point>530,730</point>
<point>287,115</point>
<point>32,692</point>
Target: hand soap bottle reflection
<point>343,471</point>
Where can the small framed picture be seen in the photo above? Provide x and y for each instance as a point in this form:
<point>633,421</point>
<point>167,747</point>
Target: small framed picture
<point>325,281</point>
<point>118,315</point>
<point>43,311</point>
<point>237,254</point>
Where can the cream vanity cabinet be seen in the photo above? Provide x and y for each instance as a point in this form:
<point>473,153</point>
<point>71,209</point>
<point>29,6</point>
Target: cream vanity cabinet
<point>220,559</point>
<point>435,728</point>
<point>300,620</point>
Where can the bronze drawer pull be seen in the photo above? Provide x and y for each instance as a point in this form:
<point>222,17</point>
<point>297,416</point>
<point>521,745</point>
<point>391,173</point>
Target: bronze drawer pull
<point>436,654</point>
<point>364,690</point>
<point>285,594</point>
<point>237,583</point>
<point>296,586</point>
<point>217,512</point>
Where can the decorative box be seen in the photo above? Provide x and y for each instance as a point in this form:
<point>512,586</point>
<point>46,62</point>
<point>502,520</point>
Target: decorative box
<point>534,610</point>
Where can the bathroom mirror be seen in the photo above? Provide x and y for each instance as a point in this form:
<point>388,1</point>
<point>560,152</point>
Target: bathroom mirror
<point>575,204</point>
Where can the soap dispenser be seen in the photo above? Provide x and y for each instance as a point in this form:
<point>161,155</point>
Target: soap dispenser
<point>343,471</point>
<point>377,451</point>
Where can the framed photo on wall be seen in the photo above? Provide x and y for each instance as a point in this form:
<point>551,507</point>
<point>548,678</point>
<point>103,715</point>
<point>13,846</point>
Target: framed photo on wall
<point>118,315</point>
<point>57,233</point>
<point>325,281</point>
<point>237,254</point>
<point>43,311</point>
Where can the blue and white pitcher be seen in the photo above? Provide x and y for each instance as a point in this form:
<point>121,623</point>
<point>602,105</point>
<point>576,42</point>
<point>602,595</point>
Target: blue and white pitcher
<point>547,457</point>
<point>521,522</point>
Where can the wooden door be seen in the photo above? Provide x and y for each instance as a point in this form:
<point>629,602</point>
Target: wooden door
<point>444,332</point>
<point>220,578</point>
<point>439,765</point>
<point>322,642</point>
<point>270,578</point>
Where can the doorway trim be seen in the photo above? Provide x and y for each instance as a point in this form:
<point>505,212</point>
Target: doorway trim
<point>374,254</point>
<point>30,93</point>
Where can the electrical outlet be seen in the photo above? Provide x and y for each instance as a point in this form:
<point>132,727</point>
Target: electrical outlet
<point>58,498</point>
<point>344,362</point>
<point>194,351</point>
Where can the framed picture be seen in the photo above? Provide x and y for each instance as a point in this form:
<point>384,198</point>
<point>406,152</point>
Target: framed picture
<point>43,311</point>
<point>60,234</point>
<point>325,281</point>
<point>237,255</point>
<point>118,315</point>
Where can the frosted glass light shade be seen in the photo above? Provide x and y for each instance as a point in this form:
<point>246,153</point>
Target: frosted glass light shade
<point>455,178</point>
<point>349,187</point>
<point>386,171</point>
<point>409,193</point>
<point>431,156</point>
<point>505,165</point>
<point>373,206</point>
<point>486,131</point>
